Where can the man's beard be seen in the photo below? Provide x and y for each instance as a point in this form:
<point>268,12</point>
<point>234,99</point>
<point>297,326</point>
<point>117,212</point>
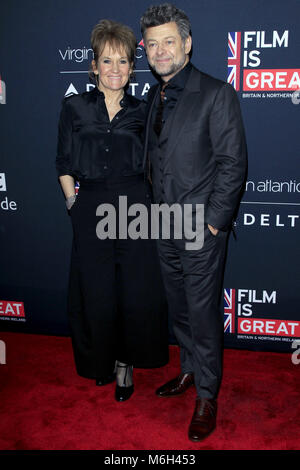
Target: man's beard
<point>173,69</point>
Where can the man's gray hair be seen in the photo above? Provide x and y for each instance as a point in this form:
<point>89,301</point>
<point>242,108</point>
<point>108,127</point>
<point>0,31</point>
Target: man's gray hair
<point>157,15</point>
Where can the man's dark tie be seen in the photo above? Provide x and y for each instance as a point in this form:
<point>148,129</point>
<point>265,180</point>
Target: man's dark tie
<point>159,115</point>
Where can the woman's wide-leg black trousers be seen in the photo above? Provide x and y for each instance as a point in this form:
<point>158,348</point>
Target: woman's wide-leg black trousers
<point>116,303</point>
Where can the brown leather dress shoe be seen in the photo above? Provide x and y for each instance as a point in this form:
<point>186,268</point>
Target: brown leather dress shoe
<point>176,386</point>
<point>204,419</point>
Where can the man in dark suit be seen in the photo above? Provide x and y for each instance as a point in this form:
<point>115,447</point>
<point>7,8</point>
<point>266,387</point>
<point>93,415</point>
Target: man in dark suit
<point>195,153</point>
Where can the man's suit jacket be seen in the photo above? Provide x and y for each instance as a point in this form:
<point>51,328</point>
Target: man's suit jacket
<point>204,148</point>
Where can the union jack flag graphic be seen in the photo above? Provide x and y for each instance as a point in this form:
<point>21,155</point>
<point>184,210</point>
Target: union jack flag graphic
<point>234,59</point>
<point>229,310</point>
<point>77,186</point>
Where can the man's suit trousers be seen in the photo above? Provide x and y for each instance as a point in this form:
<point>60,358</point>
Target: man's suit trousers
<point>193,282</point>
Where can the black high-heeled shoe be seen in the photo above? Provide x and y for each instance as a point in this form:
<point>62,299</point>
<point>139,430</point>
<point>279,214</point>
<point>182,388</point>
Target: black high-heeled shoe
<point>123,393</point>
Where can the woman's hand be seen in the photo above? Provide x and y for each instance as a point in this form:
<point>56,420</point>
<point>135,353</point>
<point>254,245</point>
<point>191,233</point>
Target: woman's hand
<point>70,201</point>
<point>68,187</point>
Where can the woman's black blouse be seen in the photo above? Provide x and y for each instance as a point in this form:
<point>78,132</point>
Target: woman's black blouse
<point>93,148</point>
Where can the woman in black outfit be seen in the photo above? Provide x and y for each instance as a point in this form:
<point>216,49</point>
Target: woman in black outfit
<point>116,305</point>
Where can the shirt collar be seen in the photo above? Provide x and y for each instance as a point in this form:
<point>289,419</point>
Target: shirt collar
<point>125,101</point>
<point>179,80</point>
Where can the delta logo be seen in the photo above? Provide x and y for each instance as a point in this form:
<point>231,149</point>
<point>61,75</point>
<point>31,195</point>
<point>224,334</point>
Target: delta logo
<point>245,54</point>
<point>238,312</point>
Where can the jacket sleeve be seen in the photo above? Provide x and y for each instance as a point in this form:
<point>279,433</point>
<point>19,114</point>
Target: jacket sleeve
<point>230,152</point>
<point>64,142</point>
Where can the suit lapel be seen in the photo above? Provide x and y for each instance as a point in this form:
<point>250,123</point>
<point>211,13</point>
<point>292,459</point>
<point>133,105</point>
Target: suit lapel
<point>184,107</point>
<point>178,117</point>
<point>174,124</point>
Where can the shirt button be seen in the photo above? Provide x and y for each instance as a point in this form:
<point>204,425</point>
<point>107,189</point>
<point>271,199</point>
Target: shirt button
<point>105,167</point>
<point>106,150</point>
<point>108,130</point>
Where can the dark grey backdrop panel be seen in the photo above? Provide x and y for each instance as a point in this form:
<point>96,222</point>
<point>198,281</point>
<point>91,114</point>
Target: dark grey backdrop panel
<point>45,53</point>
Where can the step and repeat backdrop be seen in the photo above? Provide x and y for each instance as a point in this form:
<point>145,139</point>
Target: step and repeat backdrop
<point>45,54</point>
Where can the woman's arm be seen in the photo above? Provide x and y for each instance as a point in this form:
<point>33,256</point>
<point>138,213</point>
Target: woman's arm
<point>63,158</point>
<point>68,185</point>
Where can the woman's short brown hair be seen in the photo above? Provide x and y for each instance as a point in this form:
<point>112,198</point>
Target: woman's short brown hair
<point>117,35</point>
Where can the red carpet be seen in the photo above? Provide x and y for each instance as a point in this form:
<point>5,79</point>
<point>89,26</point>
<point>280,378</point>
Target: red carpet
<point>45,405</point>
